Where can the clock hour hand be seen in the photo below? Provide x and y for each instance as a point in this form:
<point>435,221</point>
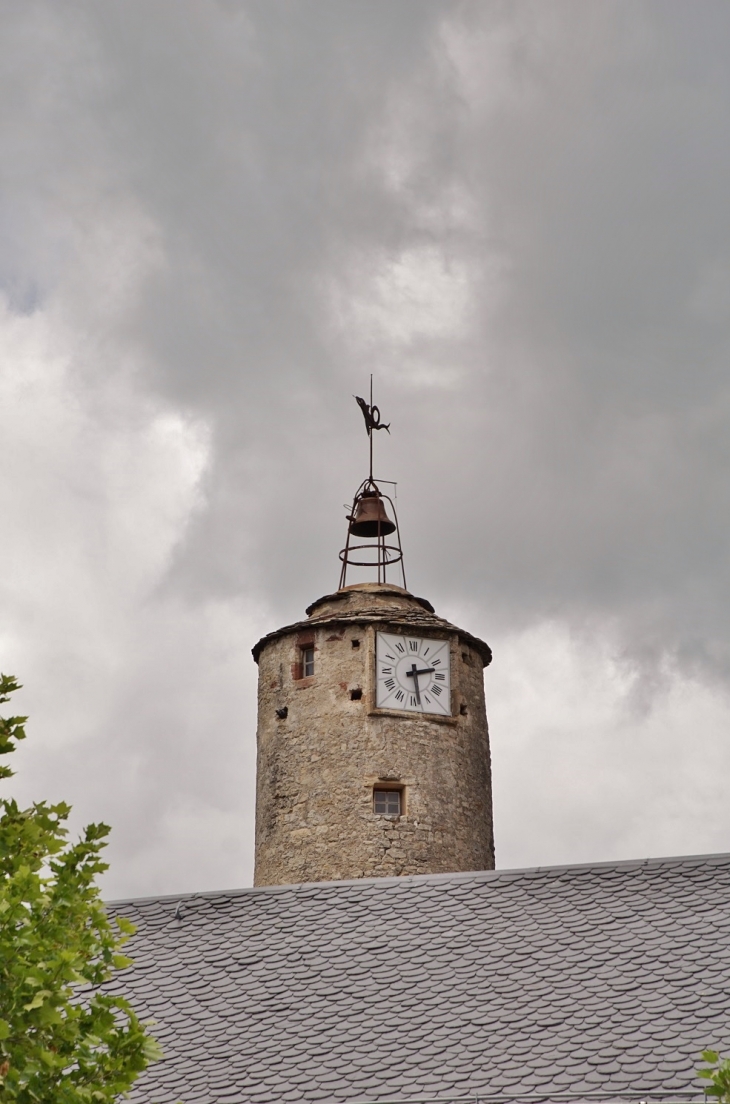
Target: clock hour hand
<point>414,673</point>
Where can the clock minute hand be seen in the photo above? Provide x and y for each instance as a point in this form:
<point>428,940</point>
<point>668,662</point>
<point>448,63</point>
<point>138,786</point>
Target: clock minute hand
<point>414,673</point>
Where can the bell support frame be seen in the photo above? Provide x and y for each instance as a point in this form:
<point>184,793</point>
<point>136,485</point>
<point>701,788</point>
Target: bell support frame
<point>383,555</point>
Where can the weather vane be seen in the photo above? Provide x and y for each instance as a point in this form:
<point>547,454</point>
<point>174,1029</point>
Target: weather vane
<point>368,517</point>
<point>371,414</point>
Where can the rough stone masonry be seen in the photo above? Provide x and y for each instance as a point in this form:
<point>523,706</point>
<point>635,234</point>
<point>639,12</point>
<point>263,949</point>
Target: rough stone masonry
<point>324,747</point>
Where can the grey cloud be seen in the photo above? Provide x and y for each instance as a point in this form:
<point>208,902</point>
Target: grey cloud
<point>513,214</point>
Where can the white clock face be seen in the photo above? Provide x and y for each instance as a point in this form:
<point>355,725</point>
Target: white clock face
<point>413,673</point>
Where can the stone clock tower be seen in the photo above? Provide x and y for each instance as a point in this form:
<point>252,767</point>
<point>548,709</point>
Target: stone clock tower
<point>373,746</point>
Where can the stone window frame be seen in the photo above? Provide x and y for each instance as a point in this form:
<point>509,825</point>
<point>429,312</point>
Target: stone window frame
<point>390,787</point>
<point>307,660</point>
<point>304,644</point>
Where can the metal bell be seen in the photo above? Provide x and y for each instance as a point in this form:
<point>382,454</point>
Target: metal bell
<point>370,518</point>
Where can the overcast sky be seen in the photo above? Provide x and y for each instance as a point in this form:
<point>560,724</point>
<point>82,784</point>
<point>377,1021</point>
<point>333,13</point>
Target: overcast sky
<point>216,219</point>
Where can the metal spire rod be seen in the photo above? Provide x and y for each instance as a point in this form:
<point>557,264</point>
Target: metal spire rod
<point>371,414</point>
<point>370,431</point>
<point>369,517</point>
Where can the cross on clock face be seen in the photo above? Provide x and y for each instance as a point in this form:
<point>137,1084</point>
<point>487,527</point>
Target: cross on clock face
<point>413,674</point>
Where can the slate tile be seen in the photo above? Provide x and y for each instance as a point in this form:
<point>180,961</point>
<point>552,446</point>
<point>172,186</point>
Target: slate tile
<point>553,958</point>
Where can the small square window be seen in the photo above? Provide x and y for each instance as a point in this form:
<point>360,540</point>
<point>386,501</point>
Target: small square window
<point>308,661</point>
<point>387,802</point>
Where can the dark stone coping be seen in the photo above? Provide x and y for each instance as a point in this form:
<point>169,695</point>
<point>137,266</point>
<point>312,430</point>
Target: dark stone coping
<point>414,619</point>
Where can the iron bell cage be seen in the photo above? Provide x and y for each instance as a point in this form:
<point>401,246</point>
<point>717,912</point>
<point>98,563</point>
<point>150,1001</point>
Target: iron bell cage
<point>369,518</point>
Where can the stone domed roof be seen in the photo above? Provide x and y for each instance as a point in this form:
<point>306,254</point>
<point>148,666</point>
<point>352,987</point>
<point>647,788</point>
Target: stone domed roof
<point>380,603</point>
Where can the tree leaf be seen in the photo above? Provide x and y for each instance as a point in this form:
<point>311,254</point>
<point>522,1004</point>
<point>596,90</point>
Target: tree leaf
<point>65,1040</point>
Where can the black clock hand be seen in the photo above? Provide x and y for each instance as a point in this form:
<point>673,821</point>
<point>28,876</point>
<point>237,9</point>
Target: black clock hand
<point>414,673</point>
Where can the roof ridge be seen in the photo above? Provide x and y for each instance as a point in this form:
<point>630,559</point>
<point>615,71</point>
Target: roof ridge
<point>457,876</point>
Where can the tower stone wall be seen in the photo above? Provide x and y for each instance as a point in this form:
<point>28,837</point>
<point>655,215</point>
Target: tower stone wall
<point>323,747</point>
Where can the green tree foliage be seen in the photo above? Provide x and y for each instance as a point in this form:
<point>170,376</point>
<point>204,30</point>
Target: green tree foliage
<point>63,1040</point>
<point>718,1074</point>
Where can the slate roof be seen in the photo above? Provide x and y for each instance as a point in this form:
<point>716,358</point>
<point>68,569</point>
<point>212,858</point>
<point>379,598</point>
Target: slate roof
<point>554,983</point>
<point>422,616</point>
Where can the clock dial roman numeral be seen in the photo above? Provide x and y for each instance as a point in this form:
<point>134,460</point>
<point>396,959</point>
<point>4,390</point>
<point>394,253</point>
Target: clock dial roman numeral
<point>412,674</point>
